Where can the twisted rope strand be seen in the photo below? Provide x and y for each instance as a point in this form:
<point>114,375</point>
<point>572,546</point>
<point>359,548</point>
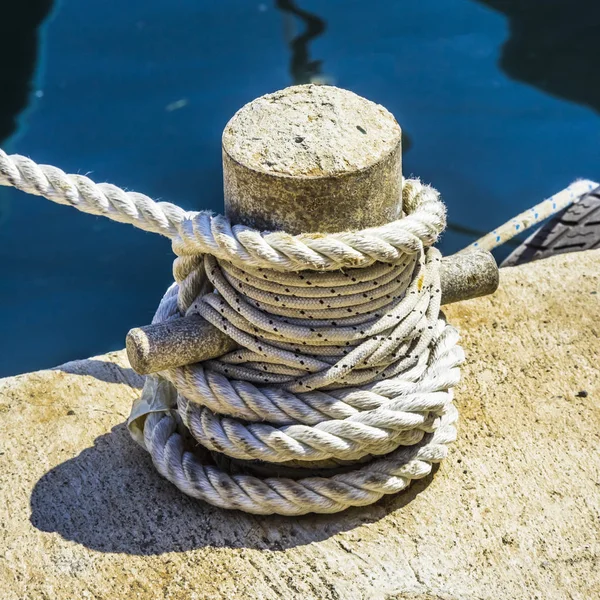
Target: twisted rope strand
<point>195,233</point>
<point>285,496</point>
<point>532,216</point>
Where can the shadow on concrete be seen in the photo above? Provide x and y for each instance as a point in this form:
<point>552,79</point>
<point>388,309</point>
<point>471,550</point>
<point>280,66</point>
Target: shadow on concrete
<point>553,46</point>
<point>103,370</point>
<point>19,40</point>
<point>110,498</point>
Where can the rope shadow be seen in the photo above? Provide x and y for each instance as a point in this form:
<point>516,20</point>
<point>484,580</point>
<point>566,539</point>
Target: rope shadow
<point>109,498</point>
<point>103,370</point>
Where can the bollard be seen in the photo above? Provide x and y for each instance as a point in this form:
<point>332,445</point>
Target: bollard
<point>305,159</point>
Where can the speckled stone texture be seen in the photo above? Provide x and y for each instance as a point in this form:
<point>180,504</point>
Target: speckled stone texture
<point>514,512</point>
<point>468,275</point>
<point>312,158</point>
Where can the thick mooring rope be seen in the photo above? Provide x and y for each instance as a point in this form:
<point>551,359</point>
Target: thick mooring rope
<point>310,384</point>
<point>197,233</point>
<point>341,390</point>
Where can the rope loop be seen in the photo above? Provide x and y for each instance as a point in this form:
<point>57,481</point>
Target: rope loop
<point>204,233</point>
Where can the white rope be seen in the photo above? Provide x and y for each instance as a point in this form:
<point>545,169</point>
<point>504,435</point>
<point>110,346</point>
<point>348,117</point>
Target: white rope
<point>343,355</point>
<point>196,233</point>
<point>305,392</point>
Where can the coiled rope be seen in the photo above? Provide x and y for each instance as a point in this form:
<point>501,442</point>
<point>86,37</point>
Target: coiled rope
<point>342,385</point>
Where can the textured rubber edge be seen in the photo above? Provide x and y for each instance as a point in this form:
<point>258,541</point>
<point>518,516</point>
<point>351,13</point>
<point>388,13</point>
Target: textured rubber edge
<point>574,229</point>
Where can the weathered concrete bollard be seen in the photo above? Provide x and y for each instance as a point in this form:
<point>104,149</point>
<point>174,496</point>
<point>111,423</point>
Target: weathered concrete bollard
<point>306,159</point>
<point>312,158</point>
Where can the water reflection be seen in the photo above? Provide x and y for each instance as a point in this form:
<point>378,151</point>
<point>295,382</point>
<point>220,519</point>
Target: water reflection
<point>553,46</point>
<point>19,41</point>
<point>302,68</point>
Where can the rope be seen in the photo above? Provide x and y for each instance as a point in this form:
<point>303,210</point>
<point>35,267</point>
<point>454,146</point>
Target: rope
<point>345,365</point>
<point>332,367</point>
<point>532,216</point>
<point>196,233</point>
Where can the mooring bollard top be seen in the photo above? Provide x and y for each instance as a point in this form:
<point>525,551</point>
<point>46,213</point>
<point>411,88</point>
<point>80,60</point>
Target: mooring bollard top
<point>312,158</point>
<point>311,131</point>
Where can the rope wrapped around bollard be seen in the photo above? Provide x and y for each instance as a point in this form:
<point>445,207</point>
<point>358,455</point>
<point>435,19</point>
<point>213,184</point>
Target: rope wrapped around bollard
<point>336,366</point>
<point>345,366</point>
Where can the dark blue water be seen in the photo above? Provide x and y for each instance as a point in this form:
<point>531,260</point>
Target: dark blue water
<point>500,106</point>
